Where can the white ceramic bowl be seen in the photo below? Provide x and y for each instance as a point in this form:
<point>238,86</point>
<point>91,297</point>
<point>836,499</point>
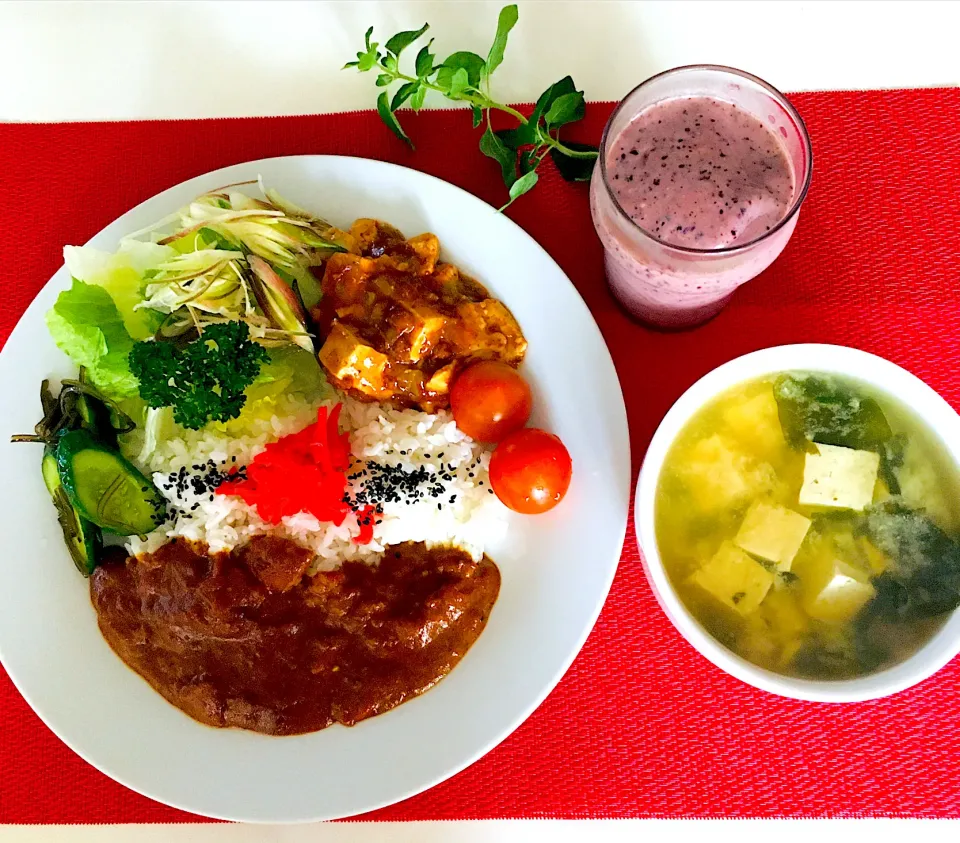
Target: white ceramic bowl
<point>886,377</point>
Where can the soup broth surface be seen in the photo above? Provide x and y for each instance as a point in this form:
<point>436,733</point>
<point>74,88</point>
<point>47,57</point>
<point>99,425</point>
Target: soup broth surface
<point>810,525</point>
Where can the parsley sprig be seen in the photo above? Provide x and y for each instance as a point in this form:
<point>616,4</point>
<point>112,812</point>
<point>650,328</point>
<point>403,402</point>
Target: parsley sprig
<point>465,77</point>
<point>204,380</point>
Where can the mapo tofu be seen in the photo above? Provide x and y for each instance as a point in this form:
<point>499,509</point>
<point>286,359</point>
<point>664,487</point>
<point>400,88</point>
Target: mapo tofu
<point>397,323</point>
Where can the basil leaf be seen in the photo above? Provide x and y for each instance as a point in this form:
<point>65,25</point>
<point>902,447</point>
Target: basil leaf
<point>574,169</point>
<point>416,100</point>
<point>521,136</point>
<point>383,80</point>
<point>402,40</point>
<point>523,184</point>
<point>547,98</point>
<point>404,92</point>
<point>388,117</point>
<point>368,60</point>
<point>366,39</point>
<point>470,62</point>
<point>442,79</point>
<point>493,147</point>
<point>506,22</point>
<point>477,115</point>
<point>425,61</point>
<point>565,109</point>
<point>390,63</point>
<point>350,64</point>
<point>459,83</point>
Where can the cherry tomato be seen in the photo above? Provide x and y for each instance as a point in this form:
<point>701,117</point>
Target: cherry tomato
<point>530,471</point>
<point>490,400</point>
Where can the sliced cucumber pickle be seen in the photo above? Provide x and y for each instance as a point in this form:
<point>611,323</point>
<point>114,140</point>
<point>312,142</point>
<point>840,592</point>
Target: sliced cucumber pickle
<point>51,471</point>
<point>105,488</point>
<point>84,540</point>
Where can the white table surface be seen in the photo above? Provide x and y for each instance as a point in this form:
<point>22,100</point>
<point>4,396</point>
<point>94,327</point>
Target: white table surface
<point>128,60</point>
<point>123,60</point>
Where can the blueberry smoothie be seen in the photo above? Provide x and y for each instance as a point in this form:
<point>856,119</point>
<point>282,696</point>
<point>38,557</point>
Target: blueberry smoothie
<point>700,173</point>
<point>693,201</point>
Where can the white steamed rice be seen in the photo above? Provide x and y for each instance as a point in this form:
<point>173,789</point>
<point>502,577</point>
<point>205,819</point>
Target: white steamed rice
<point>465,513</point>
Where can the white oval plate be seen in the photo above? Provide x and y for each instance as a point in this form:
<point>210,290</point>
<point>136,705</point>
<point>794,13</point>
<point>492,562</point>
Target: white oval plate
<point>557,568</point>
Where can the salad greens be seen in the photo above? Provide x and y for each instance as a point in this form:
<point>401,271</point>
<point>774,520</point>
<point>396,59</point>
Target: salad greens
<point>218,232</point>
<point>207,325</point>
<point>204,380</point>
<point>87,326</point>
<point>225,258</point>
<point>464,76</point>
<point>121,275</point>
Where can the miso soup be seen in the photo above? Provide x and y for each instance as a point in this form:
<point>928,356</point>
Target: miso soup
<point>811,525</point>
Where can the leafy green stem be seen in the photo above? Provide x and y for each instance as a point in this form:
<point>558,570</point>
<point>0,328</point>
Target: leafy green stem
<point>573,153</point>
<point>479,99</point>
<point>465,77</point>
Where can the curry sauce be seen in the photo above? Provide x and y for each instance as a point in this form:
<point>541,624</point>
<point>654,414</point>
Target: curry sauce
<point>245,639</point>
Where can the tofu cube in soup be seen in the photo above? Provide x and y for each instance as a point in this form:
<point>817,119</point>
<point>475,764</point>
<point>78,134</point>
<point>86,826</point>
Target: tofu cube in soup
<point>772,532</point>
<point>839,478</point>
<point>834,591</point>
<point>735,579</point>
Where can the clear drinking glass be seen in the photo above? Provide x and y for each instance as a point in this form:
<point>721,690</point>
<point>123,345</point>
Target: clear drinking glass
<point>674,286</point>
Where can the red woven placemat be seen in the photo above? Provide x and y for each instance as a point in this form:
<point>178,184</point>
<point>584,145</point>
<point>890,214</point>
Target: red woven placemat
<point>641,725</point>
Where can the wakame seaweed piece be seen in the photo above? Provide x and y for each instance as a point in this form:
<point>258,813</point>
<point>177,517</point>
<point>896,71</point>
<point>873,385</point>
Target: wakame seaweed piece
<point>820,659</point>
<point>923,579</point>
<point>892,454</point>
<point>871,630</point>
<point>818,409</point>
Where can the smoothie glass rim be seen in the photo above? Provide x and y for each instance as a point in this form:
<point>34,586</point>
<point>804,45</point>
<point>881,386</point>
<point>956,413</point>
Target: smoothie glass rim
<point>781,100</point>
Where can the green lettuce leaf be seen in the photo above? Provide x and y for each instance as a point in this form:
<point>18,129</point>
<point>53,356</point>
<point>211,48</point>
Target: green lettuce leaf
<point>86,326</point>
<point>289,369</point>
<point>121,274</point>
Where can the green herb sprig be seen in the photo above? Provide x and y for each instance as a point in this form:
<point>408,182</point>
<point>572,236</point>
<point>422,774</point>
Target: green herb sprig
<point>465,77</point>
<point>203,381</point>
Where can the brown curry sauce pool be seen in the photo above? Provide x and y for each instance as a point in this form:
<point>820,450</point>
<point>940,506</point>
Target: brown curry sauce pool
<point>244,639</point>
